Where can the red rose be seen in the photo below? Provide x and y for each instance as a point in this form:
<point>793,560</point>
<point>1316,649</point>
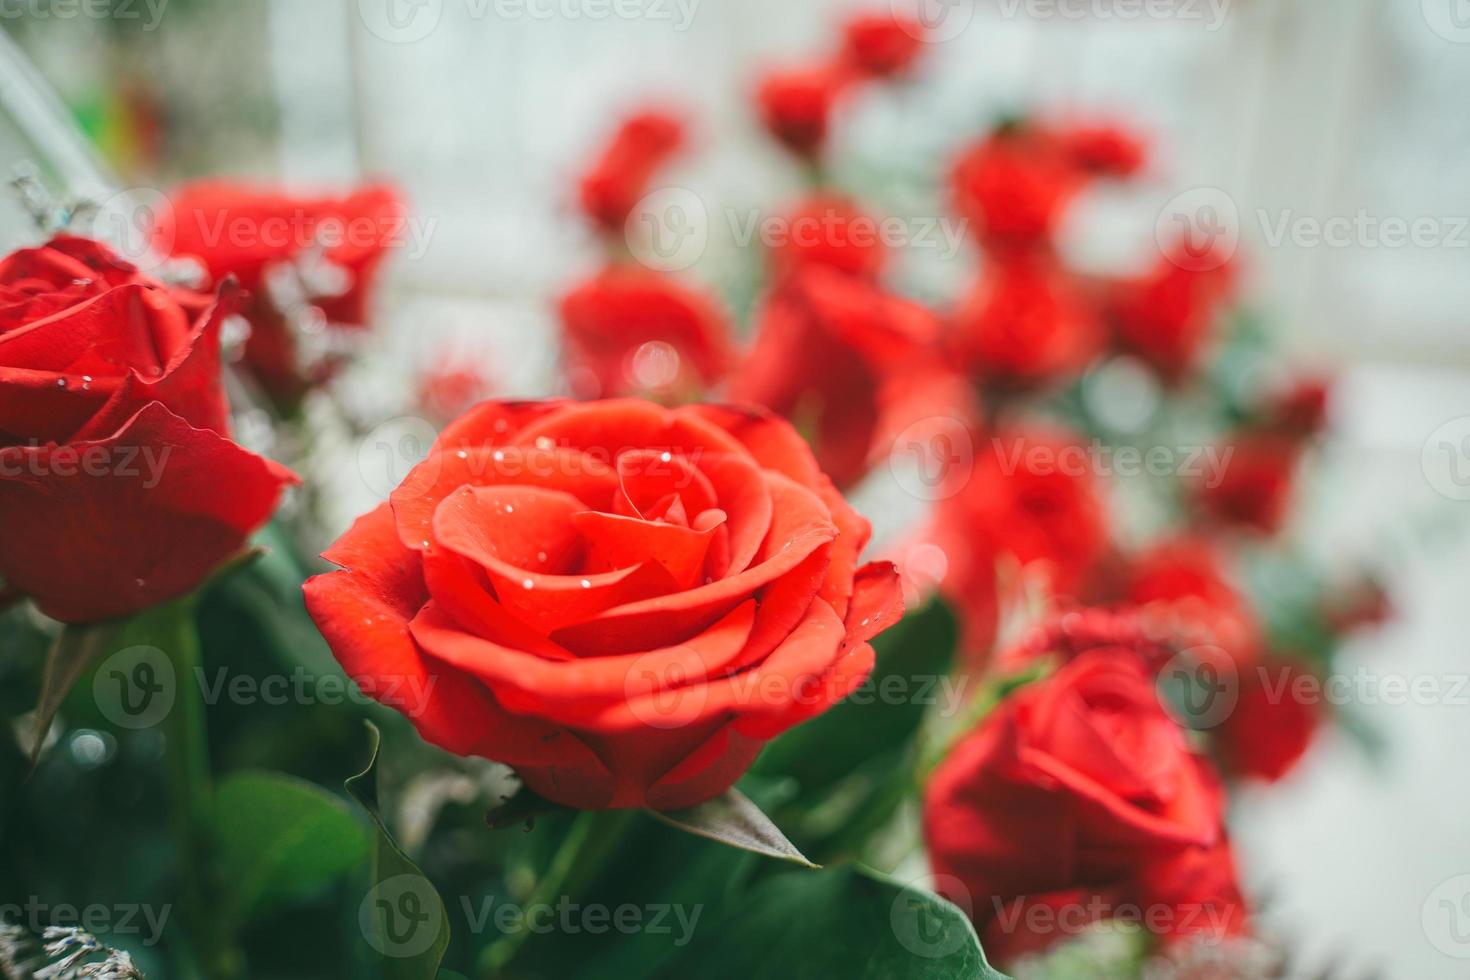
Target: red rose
<point>452,386</point>
<point>1271,725</point>
<point>1031,500</point>
<point>1105,150</point>
<point>1254,488</point>
<point>619,177</point>
<point>829,230</point>
<point>1078,789</point>
<point>1025,325</point>
<point>882,45</point>
<point>1014,186</point>
<point>1185,581</point>
<point>119,486</point>
<point>630,330</point>
<point>621,601</point>
<point>1168,316</point>
<point>796,105</point>
<point>832,354</point>
<point>1299,410</point>
<point>248,233</point>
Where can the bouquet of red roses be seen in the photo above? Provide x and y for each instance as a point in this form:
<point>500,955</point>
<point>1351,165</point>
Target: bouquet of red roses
<point>651,700</point>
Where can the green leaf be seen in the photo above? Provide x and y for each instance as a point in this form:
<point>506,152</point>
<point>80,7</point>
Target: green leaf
<point>402,916</point>
<point>76,648</point>
<point>281,838</point>
<point>734,820</point>
<point>844,922</point>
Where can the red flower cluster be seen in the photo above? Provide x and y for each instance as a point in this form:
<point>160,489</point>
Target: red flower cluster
<point>312,257</point>
<point>119,485</point>
<point>621,601</point>
<point>1079,800</point>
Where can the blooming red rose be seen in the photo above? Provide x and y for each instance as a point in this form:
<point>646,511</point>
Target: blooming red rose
<point>1078,789</point>
<point>796,105</point>
<point>630,330</point>
<point>882,45</point>
<point>119,486</point>
<point>1272,723</point>
<point>1025,324</point>
<point>1185,580</point>
<point>1107,151</point>
<point>834,354</point>
<point>254,233</point>
<point>829,230</point>
<point>1254,487</point>
<point>620,175</point>
<point>623,602</point>
<point>1031,500</point>
<point>1014,186</point>
<point>1168,316</point>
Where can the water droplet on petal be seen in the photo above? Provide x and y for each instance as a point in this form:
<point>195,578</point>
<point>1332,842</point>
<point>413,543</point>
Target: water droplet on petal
<point>586,584</point>
<point>544,442</point>
<point>540,556</point>
<point>528,584</point>
<point>463,454</point>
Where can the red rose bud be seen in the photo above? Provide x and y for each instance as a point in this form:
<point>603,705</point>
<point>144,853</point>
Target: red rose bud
<point>621,601</point>
<point>1079,795</point>
<point>830,231</point>
<point>1254,489</point>
<point>1024,325</point>
<point>119,486</point>
<point>1272,724</point>
<point>1032,501</point>
<point>1184,582</point>
<point>1106,151</point>
<point>1169,316</point>
<point>796,105</point>
<point>630,331</point>
<point>1014,187</point>
<point>833,353</point>
<point>451,386</point>
<point>620,176</point>
<point>251,233</point>
<point>1300,410</point>
<point>882,45</point>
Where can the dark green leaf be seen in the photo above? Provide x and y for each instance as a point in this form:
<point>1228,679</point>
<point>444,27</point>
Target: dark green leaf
<point>734,820</point>
<point>402,916</point>
<point>281,837</point>
<point>843,922</point>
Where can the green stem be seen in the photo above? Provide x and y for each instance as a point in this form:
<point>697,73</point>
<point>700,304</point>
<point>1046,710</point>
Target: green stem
<point>591,840</point>
<point>172,629</point>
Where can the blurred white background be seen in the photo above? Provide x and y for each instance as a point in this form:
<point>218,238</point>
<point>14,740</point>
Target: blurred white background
<point>1336,115</point>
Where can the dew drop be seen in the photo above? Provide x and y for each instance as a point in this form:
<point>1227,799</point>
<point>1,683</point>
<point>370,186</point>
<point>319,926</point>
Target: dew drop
<point>498,456</point>
<point>527,584</point>
<point>586,584</point>
<point>140,583</point>
<point>666,457</point>
<point>501,425</point>
<point>541,556</point>
<point>61,382</point>
<point>544,442</point>
<point>509,509</point>
<point>463,454</point>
